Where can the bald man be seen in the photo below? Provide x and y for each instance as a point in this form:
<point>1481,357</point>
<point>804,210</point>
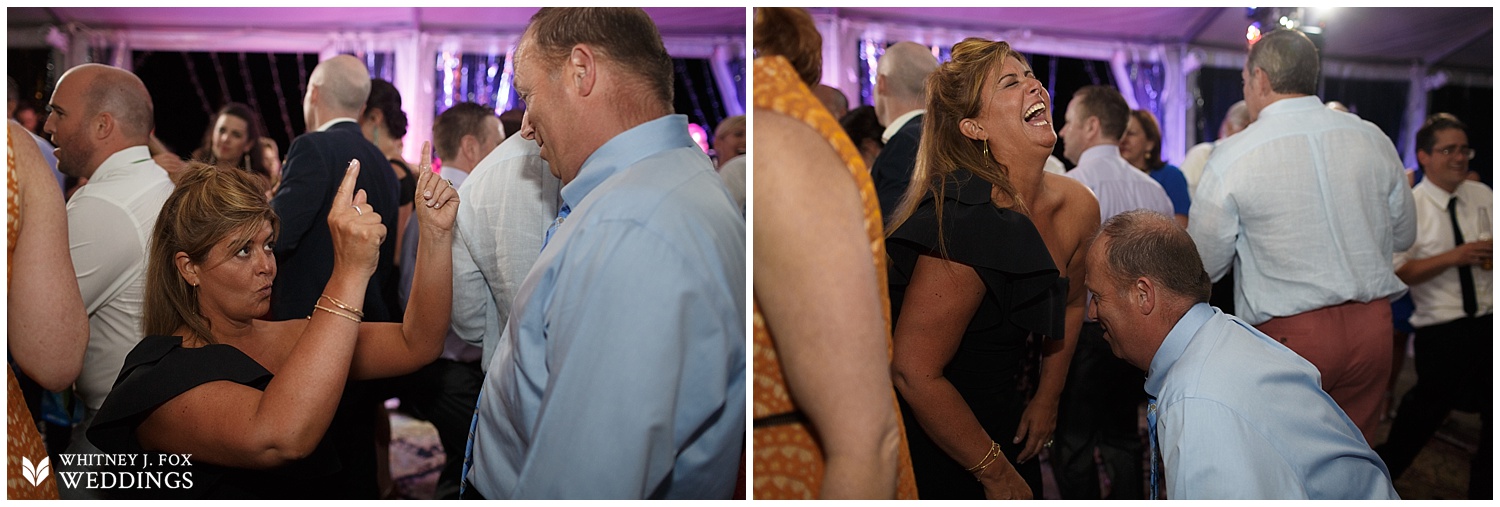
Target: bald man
<point>900,96</point>
<point>100,121</point>
<point>1235,120</point>
<point>315,162</point>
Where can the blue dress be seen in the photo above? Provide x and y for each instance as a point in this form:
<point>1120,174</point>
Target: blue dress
<point>1172,180</point>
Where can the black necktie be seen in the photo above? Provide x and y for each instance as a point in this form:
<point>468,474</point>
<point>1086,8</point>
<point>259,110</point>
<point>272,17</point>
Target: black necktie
<point>1465,273</point>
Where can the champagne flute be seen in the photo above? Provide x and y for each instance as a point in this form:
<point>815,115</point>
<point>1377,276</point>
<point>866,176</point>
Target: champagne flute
<point>1485,234</point>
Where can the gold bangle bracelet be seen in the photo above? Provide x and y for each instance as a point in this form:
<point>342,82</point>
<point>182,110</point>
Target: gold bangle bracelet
<point>989,458</point>
<point>341,314</point>
<point>344,306</point>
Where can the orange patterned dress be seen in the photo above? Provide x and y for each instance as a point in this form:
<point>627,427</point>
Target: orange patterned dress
<point>26,443</point>
<point>788,461</point>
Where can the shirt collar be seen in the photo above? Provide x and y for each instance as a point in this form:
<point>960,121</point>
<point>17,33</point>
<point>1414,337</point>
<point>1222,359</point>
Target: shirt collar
<point>341,119</point>
<point>1426,189</point>
<point>644,140</point>
<point>1175,344</point>
<point>1099,154</point>
<point>120,160</point>
<point>1292,105</point>
<point>896,124</point>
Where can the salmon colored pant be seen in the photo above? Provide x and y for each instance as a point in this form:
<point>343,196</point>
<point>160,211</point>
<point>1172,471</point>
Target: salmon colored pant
<point>1350,344</point>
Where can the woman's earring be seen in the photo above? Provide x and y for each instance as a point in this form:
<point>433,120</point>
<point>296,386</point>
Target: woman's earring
<point>987,150</point>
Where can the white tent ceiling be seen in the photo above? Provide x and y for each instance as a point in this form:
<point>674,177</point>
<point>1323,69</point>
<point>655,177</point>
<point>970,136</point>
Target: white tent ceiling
<point>414,35</point>
<point>694,21</point>
<point>1460,38</point>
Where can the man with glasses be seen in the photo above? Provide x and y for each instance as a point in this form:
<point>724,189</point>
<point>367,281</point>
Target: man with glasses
<point>1308,205</point>
<point>1449,272</point>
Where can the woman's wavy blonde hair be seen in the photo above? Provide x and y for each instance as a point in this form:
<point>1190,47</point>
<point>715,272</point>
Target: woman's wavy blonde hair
<point>955,92</point>
<point>209,205</point>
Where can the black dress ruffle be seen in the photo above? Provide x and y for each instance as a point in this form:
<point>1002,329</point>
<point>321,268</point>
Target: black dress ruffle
<point>1025,296</point>
<point>159,369</point>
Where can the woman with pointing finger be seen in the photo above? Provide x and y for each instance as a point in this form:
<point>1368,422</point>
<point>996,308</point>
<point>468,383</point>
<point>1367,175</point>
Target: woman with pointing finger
<point>251,400</point>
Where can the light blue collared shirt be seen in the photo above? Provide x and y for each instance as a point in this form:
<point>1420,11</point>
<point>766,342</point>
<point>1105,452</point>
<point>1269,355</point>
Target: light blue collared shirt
<point>1240,416</point>
<point>622,370</point>
<point>1308,204</point>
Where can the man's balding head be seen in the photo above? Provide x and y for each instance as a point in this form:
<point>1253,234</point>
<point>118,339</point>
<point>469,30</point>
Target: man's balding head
<point>1235,120</point>
<point>119,93</point>
<point>338,87</point>
<point>626,38</point>
<point>97,110</point>
<point>901,84</point>
<point>1144,243</point>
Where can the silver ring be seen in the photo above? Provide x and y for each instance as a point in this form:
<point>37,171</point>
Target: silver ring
<point>448,181</point>
<point>1048,444</point>
<point>361,212</point>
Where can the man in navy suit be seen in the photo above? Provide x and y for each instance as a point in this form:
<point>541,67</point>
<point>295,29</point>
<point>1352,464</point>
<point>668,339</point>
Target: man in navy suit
<point>336,95</point>
<point>900,96</point>
<point>315,165</point>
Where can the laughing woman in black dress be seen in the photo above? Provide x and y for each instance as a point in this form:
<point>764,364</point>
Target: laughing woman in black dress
<point>979,249</point>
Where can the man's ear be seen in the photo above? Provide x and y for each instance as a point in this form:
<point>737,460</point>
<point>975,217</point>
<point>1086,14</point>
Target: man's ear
<point>469,146</point>
<point>1093,127</point>
<point>880,84</point>
<point>103,125</point>
<point>1261,80</point>
<point>582,69</point>
<point>1143,294</point>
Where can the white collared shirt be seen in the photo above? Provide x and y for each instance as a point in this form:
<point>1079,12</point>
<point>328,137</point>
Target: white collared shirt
<point>1119,186</point>
<point>1440,300</point>
<point>896,124</point>
<point>1308,204</point>
<point>330,123</point>
<point>110,222</point>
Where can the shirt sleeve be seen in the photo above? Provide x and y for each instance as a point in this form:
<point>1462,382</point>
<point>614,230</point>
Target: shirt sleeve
<point>105,243</point>
<point>304,184</point>
<point>468,313</point>
<point>1403,215</point>
<point>1210,452</point>
<point>639,365</point>
<point>1214,223</point>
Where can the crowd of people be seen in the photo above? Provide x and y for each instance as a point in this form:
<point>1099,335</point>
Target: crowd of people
<point>565,305</point>
<point>938,302</point>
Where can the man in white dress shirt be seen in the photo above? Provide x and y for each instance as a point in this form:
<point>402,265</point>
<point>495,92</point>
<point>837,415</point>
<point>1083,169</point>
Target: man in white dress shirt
<point>100,121</point>
<point>1102,394</point>
<point>1309,204</point>
<point>1452,288</point>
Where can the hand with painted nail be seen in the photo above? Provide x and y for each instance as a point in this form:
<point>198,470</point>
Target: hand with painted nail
<point>355,227</point>
<point>436,199</point>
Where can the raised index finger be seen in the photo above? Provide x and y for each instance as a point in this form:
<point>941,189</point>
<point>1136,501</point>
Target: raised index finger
<point>345,194</point>
<point>426,155</point>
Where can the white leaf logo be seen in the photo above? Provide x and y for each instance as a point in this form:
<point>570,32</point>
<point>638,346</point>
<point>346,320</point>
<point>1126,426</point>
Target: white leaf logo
<point>35,474</point>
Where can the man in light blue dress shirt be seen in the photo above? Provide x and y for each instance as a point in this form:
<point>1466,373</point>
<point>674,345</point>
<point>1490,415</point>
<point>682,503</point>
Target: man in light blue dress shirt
<point>622,370</point>
<point>1234,414</point>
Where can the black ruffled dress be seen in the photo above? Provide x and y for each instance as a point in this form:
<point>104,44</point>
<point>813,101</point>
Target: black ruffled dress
<point>995,365</point>
<point>159,369</point>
